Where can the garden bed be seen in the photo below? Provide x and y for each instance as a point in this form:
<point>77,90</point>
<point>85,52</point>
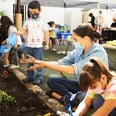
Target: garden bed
<point>26,103</point>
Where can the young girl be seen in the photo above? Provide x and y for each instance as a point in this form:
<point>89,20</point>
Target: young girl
<point>10,28</point>
<point>4,46</point>
<point>52,35</point>
<point>100,85</point>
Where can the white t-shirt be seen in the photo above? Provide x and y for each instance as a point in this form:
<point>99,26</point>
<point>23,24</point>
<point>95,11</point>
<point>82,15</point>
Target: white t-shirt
<point>35,32</point>
<point>99,20</point>
<point>13,29</point>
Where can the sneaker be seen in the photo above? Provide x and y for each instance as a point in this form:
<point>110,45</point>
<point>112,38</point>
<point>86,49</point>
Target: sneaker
<point>14,66</point>
<point>49,93</point>
<point>37,82</point>
<point>6,65</point>
<point>54,49</point>
<point>28,79</point>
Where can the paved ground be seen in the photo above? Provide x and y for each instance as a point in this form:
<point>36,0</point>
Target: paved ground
<point>47,73</point>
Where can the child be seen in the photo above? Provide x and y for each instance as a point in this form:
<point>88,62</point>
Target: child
<point>10,28</point>
<point>4,46</point>
<point>36,32</point>
<point>100,85</point>
<point>52,34</point>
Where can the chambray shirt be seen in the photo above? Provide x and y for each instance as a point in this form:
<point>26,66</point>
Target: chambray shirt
<point>77,59</point>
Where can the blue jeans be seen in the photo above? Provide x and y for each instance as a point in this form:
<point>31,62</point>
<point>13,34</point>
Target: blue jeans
<point>37,53</point>
<point>98,102</point>
<point>21,49</point>
<point>64,86</point>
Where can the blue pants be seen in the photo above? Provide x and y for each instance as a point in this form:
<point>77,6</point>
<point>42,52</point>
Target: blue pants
<point>64,86</point>
<point>21,49</point>
<point>37,53</point>
<point>98,102</point>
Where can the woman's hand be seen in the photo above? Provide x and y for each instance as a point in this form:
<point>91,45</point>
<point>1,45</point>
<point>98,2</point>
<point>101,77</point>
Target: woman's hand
<point>38,64</point>
<point>28,60</point>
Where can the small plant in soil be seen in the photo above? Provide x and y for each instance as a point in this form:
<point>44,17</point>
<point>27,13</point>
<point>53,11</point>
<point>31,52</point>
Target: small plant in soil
<point>5,99</point>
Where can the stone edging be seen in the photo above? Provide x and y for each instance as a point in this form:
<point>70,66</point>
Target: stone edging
<point>53,104</point>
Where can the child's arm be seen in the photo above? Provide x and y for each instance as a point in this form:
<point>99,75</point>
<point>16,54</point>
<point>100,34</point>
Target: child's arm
<point>20,32</point>
<point>46,38</point>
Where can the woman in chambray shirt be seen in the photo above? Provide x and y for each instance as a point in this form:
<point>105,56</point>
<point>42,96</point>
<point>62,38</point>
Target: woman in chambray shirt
<point>85,48</point>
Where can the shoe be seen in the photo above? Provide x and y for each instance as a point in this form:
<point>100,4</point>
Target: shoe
<point>54,49</point>
<point>28,79</point>
<point>14,66</point>
<point>49,93</point>
<point>6,65</point>
<point>37,82</point>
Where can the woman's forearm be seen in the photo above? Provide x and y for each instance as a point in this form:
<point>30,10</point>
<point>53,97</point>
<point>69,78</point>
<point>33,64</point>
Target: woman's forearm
<point>56,66</point>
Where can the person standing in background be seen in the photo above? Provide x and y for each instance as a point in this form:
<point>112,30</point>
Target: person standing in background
<point>92,19</point>
<point>99,20</point>
<point>36,31</point>
<point>52,35</point>
<point>114,22</point>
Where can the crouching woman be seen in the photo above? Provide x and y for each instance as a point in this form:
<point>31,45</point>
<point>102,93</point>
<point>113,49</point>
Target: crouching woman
<point>100,85</point>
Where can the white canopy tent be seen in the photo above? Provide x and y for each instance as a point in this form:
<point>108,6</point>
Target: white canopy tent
<point>76,3</point>
<point>84,5</point>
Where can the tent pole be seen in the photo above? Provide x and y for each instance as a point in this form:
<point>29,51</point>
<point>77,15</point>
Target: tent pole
<point>98,8</point>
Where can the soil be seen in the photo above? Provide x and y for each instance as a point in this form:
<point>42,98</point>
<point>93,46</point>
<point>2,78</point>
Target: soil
<point>26,103</point>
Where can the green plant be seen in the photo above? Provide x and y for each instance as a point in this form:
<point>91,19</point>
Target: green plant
<point>5,99</point>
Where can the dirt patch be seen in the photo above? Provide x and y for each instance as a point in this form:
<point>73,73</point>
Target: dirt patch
<point>26,103</point>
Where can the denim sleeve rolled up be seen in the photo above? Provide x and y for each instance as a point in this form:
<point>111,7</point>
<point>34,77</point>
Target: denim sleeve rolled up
<point>77,59</point>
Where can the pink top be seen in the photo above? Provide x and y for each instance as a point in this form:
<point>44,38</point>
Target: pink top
<point>109,93</point>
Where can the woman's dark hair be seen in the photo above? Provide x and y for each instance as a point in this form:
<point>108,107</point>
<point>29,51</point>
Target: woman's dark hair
<point>86,30</point>
<point>34,5</point>
<point>51,23</point>
<point>92,71</point>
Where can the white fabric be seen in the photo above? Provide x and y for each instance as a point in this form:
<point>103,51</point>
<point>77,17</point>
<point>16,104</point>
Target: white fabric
<point>35,32</point>
<point>13,29</point>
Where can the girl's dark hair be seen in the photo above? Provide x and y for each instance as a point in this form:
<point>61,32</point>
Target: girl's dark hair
<point>92,71</point>
<point>86,30</point>
<point>51,23</point>
<point>3,35</point>
<point>34,5</point>
<point>6,22</point>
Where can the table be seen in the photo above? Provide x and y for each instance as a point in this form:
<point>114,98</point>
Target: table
<point>63,38</point>
<point>109,34</point>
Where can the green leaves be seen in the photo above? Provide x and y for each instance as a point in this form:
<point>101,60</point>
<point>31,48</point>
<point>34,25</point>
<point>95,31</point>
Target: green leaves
<point>5,98</point>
